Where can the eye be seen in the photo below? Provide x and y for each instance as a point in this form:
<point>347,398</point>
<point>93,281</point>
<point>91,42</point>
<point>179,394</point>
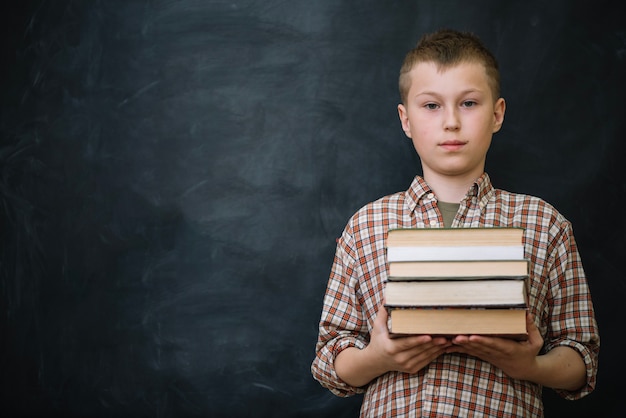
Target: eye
<point>431,106</point>
<point>468,103</point>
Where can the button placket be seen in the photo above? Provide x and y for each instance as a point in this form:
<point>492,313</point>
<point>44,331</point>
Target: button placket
<point>430,212</point>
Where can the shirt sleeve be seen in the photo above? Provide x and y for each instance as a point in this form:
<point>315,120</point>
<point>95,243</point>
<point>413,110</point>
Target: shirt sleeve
<point>572,320</point>
<point>342,322</point>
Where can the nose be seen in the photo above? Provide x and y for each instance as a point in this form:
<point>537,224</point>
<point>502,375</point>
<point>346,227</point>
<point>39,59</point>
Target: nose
<point>451,120</point>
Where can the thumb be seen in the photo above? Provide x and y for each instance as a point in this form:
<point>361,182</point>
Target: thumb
<point>530,322</point>
<point>381,315</point>
<point>534,336</point>
<point>380,323</point>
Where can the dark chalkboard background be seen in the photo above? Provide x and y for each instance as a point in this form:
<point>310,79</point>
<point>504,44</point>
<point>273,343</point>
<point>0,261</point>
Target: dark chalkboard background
<point>174,175</point>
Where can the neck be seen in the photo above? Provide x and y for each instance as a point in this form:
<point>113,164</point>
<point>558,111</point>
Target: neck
<point>450,189</point>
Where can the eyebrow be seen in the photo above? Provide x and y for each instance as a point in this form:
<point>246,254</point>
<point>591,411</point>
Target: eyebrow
<point>432,93</point>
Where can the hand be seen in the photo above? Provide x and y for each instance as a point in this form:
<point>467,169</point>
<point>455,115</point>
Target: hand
<point>517,359</point>
<point>404,354</point>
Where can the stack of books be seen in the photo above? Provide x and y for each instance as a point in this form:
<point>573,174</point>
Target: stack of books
<point>457,281</point>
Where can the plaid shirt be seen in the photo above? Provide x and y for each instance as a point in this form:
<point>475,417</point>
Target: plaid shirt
<point>455,384</point>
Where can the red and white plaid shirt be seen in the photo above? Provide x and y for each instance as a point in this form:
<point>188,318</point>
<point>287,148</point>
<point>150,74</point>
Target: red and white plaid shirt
<point>455,385</point>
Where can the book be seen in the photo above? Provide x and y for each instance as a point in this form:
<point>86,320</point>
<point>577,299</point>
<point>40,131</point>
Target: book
<point>496,322</point>
<point>416,244</point>
<point>458,269</point>
<point>466,293</point>
<point>453,253</point>
<point>469,236</point>
<point>451,281</point>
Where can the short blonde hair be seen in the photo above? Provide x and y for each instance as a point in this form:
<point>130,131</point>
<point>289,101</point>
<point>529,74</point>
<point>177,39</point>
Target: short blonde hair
<point>447,48</point>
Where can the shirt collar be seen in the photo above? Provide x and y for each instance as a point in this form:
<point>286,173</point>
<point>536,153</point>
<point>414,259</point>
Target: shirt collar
<point>482,189</point>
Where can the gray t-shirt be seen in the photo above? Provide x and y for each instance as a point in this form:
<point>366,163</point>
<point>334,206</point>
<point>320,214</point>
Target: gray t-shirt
<point>448,211</point>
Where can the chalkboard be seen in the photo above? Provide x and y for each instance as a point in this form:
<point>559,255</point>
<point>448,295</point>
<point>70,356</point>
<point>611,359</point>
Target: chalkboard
<point>175,174</point>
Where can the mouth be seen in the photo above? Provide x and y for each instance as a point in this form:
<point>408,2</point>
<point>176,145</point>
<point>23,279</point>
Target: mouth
<point>453,145</point>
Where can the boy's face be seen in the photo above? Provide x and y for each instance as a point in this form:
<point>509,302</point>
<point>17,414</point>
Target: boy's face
<point>451,116</point>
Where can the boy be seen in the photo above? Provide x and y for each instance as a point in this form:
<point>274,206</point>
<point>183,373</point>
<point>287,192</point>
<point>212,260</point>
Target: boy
<point>451,107</point>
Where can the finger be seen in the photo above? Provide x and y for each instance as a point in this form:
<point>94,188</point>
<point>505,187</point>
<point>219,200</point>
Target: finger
<point>460,339</point>
<point>423,354</point>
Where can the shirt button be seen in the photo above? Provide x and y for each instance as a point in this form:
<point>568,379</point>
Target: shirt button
<point>430,195</point>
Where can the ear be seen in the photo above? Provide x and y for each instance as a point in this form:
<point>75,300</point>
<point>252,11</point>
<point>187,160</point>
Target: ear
<point>498,114</point>
<point>404,120</point>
